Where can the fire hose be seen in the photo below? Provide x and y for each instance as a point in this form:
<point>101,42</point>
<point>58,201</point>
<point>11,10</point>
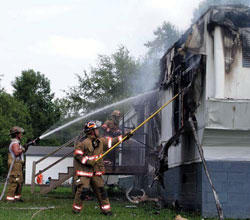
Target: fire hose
<point>7,179</point>
<point>11,166</point>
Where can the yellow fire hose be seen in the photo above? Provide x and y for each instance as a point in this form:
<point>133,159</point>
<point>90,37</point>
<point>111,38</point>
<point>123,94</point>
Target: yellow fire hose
<point>143,123</point>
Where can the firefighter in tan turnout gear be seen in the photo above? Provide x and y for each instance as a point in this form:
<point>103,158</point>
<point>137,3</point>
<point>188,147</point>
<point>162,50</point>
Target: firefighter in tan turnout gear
<point>110,129</point>
<point>16,176</point>
<point>88,172</point>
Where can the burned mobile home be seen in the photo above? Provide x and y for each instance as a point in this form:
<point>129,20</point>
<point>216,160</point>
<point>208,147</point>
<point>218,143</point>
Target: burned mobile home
<point>211,60</point>
<point>209,67</point>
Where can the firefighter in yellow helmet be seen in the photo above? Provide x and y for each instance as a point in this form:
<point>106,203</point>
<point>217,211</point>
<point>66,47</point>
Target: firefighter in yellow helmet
<point>88,171</point>
<point>16,151</point>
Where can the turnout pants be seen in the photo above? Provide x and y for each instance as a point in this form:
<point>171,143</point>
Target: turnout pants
<point>97,184</point>
<point>15,183</point>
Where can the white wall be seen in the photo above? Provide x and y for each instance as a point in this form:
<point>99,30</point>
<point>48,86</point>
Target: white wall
<point>215,65</point>
<point>174,153</point>
<point>226,144</point>
<point>218,86</point>
<point>210,73</point>
<point>237,82</point>
<point>61,167</point>
<point>219,63</point>
<point>166,116</point>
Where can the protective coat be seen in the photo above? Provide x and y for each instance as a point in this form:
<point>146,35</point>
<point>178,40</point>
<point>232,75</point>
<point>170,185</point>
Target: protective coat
<point>88,173</point>
<point>16,175</point>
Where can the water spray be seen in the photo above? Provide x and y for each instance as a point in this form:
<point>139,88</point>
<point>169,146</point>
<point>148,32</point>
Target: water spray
<point>95,112</point>
<point>143,123</point>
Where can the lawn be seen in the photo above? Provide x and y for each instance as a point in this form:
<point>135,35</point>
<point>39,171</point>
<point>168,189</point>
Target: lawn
<point>60,202</point>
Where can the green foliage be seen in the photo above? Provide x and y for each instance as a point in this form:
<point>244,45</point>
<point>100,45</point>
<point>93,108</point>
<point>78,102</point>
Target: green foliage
<point>205,4</point>
<point>119,75</point>
<point>104,84</point>
<point>61,200</point>
<point>116,77</point>
<point>33,89</point>
<point>2,170</point>
<point>165,36</point>
<point>12,112</point>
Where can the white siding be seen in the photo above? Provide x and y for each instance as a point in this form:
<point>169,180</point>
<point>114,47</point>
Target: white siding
<point>174,153</point>
<point>237,85</point>
<point>210,73</point>
<point>61,167</point>
<point>219,64</point>
<point>166,116</point>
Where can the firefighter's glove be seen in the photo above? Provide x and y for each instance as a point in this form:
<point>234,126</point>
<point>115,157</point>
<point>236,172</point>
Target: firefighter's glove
<point>30,142</point>
<point>91,163</point>
<point>36,141</point>
<point>128,135</point>
<point>25,147</point>
<point>118,132</point>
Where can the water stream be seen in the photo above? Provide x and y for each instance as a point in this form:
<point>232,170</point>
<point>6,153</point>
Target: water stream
<point>127,100</point>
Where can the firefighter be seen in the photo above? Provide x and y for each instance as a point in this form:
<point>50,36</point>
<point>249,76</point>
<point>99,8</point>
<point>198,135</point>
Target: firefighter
<point>111,127</point>
<point>88,172</point>
<point>16,151</point>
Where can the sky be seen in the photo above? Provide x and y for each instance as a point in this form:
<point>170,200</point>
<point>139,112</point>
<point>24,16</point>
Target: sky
<point>62,38</point>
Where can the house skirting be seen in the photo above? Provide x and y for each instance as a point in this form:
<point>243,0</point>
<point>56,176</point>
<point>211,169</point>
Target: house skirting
<point>189,186</point>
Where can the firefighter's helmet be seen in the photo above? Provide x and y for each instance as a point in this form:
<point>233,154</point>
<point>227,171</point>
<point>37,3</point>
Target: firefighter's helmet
<point>91,125</point>
<point>116,113</point>
<point>16,130</point>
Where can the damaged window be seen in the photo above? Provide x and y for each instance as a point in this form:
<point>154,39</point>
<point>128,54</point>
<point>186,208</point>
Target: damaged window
<point>192,69</point>
<point>245,36</point>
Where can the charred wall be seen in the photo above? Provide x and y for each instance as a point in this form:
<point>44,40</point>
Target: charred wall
<point>184,187</point>
<point>190,63</point>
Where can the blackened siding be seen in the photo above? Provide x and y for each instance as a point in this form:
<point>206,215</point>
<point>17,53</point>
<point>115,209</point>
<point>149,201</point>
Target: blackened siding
<point>183,185</point>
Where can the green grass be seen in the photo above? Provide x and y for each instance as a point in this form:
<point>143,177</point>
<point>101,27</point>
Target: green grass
<point>62,199</point>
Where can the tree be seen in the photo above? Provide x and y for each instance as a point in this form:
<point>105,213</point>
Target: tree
<point>1,88</point>
<point>205,4</point>
<point>12,112</point>
<point>33,89</point>
<point>165,36</point>
<point>106,83</point>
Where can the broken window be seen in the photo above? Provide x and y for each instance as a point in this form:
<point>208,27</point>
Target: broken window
<point>245,36</point>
